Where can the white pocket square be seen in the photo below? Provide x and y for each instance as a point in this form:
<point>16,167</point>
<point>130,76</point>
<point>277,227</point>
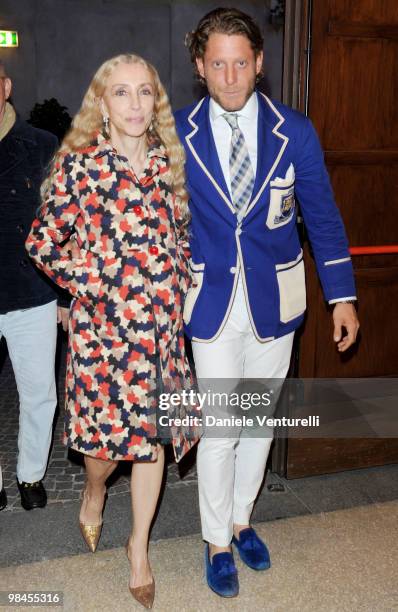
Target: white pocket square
<point>289,176</point>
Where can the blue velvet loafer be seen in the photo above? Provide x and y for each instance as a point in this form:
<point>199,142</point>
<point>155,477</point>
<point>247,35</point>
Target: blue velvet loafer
<point>221,574</point>
<point>252,550</point>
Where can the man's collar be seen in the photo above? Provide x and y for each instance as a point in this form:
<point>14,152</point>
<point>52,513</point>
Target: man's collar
<point>8,121</point>
<point>249,111</point>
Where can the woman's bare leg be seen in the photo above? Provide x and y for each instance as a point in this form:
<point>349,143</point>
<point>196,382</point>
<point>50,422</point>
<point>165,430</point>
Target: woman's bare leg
<point>97,471</point>
<point>146,480</point>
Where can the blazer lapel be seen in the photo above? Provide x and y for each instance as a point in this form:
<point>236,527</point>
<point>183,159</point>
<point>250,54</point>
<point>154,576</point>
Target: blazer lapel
<point>271,145</point>
<point>201,143</point>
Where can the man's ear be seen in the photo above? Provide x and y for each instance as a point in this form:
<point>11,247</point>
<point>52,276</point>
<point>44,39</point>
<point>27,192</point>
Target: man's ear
<point>259,62</point>
<point>7,88</point>
<point>200,66</point>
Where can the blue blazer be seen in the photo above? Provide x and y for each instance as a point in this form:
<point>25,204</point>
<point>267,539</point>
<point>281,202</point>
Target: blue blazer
<point>263,247</point>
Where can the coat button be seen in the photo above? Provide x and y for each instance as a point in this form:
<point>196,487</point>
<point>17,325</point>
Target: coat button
<point>232,270</point>
<point>137,210</point>
<point>153,250</point>
<point>23,263</point>
<point>20,228</point>
<point>13,191</point>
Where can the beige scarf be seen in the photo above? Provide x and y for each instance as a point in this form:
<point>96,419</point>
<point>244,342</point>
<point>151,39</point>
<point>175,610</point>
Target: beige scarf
<point>8,120</point>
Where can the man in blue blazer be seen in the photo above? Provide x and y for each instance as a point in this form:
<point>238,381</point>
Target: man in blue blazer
<point>248,159</point>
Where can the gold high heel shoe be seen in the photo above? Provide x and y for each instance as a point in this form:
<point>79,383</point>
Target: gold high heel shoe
<point>91,533</point>
<point>144,594</point>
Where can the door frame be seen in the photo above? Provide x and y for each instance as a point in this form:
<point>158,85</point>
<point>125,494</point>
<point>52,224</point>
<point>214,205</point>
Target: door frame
<point>295,88</point>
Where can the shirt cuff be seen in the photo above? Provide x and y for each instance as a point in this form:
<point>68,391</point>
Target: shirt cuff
<point>342,299</point>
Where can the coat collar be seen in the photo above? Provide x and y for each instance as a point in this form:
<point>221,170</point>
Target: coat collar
<point>102,146</point>
<point>157,158</point>
<point>271,144</point>
<point>21,131</point>
<point>8,120</point>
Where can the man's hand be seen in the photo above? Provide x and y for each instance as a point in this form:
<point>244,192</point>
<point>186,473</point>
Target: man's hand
<point>63,316</point>
<point>344,315</point>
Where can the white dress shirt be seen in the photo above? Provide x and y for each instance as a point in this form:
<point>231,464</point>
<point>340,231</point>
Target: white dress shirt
<point>222,132</point>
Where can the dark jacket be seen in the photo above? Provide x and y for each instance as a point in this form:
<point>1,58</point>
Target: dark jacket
<point>25,153</point>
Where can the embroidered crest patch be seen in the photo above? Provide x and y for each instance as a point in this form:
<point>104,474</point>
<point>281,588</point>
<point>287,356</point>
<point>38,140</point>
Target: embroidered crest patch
<point>287,204</point>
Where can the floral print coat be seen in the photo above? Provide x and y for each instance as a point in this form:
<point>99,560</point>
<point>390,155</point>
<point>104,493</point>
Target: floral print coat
<point>126,327</point>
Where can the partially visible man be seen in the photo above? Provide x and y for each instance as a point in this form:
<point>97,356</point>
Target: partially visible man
<point>247,159</point>
<point>28,301</point>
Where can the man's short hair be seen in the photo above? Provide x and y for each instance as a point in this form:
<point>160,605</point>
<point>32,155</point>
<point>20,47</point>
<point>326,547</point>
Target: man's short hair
<point>223,21</point>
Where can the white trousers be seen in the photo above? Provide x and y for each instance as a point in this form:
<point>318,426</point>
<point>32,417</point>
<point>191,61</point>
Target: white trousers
<point>31,336</point>
<point>231,468</point>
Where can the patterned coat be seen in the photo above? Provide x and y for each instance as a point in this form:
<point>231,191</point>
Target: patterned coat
<point>125,328</point>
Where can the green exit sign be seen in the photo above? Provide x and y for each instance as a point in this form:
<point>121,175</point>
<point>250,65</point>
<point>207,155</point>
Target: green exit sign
<point>8,38</point>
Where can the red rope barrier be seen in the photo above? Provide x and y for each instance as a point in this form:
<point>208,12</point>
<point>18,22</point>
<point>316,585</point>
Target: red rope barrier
<point>374,250</point>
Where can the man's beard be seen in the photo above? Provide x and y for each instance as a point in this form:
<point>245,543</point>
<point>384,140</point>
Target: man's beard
<point>235,105</point>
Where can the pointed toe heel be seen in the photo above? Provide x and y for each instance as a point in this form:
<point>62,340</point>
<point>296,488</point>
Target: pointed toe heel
<point>145,594</point>
<point>91,535</point>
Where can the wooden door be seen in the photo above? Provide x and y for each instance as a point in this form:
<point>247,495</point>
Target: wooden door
<point>353,103</point>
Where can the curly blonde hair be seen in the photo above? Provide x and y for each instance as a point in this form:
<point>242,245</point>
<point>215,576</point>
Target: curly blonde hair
<point>89,121</point>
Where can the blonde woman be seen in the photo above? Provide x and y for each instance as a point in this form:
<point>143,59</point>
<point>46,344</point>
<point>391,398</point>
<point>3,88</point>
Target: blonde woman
<point>118,186</point>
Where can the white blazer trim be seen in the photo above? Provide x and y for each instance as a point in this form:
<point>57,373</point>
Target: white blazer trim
<point>278,157</point>
<point>200,162</point>
<point>290,264</point>
<point>332,262</point>
<point>255,332</point>
<point>342,299</point>
<point>231,301</point>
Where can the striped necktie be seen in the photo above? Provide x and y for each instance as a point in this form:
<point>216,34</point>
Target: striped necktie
<point>240,168</point>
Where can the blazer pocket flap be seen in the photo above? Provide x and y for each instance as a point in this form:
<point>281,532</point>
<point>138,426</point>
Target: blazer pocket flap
<point>196,267</point>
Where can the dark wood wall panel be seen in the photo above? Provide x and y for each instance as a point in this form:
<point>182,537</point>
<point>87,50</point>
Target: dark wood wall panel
<point>375,353</point>
<point>319,456</point>
<point>368,203</point>
<point>370,12</point>
<point>376,348</point>
<point>341,106</point>
<point>353,93</point>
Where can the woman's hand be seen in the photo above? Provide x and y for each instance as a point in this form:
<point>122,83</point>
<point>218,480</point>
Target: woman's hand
<point>71,250</point>
<point>63,317</point>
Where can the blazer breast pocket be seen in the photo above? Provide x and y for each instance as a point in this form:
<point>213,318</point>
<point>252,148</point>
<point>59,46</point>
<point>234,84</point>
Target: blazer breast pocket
<point>197,271</point>
<point>282,204</point>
